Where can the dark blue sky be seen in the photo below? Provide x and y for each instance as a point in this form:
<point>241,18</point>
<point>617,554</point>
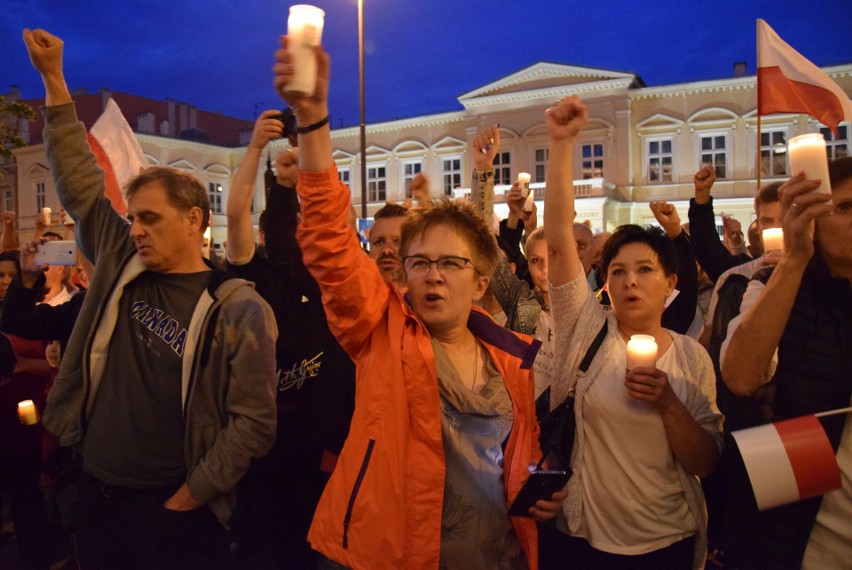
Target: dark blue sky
<point>421,55</point>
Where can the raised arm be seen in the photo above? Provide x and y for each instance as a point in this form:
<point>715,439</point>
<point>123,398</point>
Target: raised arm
<point>483,148</point>
<point>755,339</point>
<point>564,121</point>
<point>9,239</point>
<point>354,294</point>
<point>681,312</point>
<point>710,252</point>
<point>240,244</point>
<point>79,181</point>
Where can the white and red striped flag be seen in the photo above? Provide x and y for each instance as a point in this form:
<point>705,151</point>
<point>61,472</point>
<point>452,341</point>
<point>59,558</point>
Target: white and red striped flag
<point>788,83</point>
<point>789,461</point>
<point>117,151</point>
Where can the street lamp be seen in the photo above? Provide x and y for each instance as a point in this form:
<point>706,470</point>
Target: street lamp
<point>363,125</point>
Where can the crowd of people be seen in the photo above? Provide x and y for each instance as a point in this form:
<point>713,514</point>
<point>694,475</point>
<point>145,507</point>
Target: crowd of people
<point>304,404</point>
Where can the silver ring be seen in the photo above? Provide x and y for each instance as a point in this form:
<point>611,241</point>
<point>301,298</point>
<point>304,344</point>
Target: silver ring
<point>794,205</point>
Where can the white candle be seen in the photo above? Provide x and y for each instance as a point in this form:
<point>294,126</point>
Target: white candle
<point>807,153</point>
<point>304,32</point>
<point>773,239</point>
<point>27,413</point>
<point>641,351</point>
<point>528,204</point>
<point>524,180</point>
<point>45,215</point>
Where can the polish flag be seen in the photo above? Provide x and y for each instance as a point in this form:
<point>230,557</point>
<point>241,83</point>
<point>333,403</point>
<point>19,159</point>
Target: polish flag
<point>789,83</point>
<point>117,151</point>
<point>788,461</point>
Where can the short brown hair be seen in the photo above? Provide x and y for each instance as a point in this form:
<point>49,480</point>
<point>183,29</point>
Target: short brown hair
<point>390,210</point>
<point>463,218</point>
<point>766,195</point>
<point>184,191</point>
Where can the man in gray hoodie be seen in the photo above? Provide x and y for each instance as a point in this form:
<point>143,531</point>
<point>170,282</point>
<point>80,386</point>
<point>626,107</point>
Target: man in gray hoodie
<point>168,381</point>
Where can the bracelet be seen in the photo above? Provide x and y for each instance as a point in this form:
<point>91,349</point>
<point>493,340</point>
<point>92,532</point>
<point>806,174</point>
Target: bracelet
<point>483,176</point>
<point>315,126</point>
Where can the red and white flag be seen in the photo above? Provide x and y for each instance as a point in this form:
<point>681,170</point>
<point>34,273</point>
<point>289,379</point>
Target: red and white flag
<point>117,151</point>
<point>788,83</point>
<point>788,461</point>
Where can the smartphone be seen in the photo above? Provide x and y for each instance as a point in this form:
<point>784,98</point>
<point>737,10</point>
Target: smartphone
<point>540,485</point>
<point>56,253</point>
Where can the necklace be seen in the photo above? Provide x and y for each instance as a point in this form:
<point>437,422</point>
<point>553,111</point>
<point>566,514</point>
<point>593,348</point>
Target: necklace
<point>475,363</point>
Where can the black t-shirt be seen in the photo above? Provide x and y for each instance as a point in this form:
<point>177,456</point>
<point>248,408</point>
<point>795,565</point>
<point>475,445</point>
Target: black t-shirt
<point>135,435</point>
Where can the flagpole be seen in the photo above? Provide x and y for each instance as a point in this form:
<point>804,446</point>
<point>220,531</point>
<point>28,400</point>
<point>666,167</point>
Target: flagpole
<point>834,412</point>
<point>758,164</point>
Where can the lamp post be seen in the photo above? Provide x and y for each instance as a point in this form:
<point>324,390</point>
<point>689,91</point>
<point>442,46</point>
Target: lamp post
<point>363,125</point>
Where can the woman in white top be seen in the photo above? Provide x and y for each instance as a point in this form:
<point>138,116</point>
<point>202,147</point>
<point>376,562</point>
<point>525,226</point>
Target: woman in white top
<point>644,436</point>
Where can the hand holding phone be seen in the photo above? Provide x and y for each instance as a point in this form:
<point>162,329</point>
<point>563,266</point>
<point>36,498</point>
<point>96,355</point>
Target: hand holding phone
<point>56,253</point>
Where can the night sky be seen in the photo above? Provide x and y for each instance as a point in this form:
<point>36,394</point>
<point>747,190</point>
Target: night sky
<point>421,55</point>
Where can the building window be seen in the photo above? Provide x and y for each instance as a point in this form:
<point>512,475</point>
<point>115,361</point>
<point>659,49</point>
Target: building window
<point>215,190</point>
<point>343,175</point>
<point>714,152</point>
<point>541,155</point>
<point>773,153</point>
<point>39,197</point>
<point>592,161</point>
<point>8,201</point>
<point>836,147</point>
<point>452,175</point>
<point>409,171</point>
<point>660,159</point>
<point>503,168</point>
<point>376,184</point>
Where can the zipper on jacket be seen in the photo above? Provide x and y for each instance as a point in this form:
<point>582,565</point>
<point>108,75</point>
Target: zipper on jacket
<point>370,444</point>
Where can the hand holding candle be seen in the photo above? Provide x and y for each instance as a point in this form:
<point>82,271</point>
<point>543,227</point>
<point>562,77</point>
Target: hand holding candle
<point>807,153</point>
<point>27,413</point>
<point>641,351</point>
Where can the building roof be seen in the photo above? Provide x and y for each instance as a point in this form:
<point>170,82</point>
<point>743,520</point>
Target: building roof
<point>168,118</point>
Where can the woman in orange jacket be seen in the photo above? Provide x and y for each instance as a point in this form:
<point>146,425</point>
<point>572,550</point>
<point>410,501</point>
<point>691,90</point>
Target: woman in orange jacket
<point>444,426</point>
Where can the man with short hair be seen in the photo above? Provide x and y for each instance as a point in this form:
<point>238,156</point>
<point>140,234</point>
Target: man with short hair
<point>168,381</point>
<point>384,242</point>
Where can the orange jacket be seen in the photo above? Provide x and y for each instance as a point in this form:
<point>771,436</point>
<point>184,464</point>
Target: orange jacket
<point>382,506</point>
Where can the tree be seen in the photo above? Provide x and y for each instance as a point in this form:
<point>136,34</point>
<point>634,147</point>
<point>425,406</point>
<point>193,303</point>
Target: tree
<point>11,113</point>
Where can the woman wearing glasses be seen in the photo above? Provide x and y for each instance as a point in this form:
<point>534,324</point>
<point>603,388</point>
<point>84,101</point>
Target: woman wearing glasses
<point>444,427</point>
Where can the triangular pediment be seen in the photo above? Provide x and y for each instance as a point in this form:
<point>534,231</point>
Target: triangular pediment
<point>545,75</point>
<point>659,123</point>
<point>183,164</point>
<point>342,155</point>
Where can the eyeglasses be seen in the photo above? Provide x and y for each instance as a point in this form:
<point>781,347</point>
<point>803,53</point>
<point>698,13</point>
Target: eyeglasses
<point>418,266</point>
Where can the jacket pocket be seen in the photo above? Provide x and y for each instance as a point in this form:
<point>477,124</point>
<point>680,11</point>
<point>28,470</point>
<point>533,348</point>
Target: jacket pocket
<point>349,507</point>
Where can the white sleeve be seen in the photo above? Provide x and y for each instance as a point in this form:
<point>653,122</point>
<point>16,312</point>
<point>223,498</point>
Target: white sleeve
<point>752,294</point>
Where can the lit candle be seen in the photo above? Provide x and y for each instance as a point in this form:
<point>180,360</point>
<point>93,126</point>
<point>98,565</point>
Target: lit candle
<point>773,239</point>
<point>524,180</point>
<point>45,215</point>
<point>641,351</point>
<point>27,413</point>
<point>807,153</point>
<point>528,205</point>
<point>304,32</point>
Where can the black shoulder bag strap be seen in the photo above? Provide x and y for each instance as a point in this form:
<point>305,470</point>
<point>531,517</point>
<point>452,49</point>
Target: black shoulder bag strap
<point>590,354</point>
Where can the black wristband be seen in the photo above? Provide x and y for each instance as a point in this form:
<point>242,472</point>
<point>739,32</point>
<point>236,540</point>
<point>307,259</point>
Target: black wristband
<point>315,126</point>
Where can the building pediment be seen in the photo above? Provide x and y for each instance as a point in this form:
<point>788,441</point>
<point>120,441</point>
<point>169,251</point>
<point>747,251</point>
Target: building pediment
<point>183,164</point>
<point>544,75</point>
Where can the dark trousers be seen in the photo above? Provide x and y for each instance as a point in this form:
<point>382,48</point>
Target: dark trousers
<point>128,528</point>
<point>19,481</point>
<point>557,550</point>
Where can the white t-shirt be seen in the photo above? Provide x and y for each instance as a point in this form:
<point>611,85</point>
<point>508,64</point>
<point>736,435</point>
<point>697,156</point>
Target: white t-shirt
<point>633,498</point>
<point>544,367</point>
